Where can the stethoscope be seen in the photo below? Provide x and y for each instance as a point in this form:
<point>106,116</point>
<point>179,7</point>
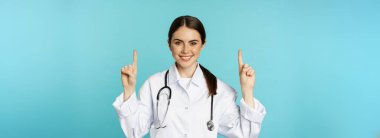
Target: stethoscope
<point>210,123</point>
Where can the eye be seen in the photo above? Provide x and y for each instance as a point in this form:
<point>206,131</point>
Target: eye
<point>193,43</point>
<point>177,43</point>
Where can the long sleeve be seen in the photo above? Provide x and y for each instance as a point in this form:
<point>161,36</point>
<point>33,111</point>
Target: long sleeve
<point>135,115</point>
<point>243,121</point>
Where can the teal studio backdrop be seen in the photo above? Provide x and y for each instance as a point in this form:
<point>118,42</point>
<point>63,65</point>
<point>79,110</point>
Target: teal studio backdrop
<point>317,62</point>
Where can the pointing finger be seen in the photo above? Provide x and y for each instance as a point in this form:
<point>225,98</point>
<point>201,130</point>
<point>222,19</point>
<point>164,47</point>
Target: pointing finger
<point>240,59</point>
<point>134,57</point>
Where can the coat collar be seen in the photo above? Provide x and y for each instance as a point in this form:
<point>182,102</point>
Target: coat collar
<point>198,79</point>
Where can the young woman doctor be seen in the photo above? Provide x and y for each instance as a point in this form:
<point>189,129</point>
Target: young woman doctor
<point>187,100</point>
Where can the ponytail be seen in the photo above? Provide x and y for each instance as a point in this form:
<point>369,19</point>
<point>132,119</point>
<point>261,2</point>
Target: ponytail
<point>210,80</point>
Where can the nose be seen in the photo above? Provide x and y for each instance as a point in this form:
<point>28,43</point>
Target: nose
<point>185,49</point>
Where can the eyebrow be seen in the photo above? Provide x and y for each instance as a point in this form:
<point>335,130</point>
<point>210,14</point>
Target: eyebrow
<point>178,40</point>
<point>193,40</point>
<point>182,40</point>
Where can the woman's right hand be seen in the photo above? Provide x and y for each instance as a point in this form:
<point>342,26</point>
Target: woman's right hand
<point>128,77</point>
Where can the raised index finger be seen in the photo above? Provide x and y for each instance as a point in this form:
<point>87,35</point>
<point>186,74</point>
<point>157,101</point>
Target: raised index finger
<point>240,59</point>
<point>134,57</point>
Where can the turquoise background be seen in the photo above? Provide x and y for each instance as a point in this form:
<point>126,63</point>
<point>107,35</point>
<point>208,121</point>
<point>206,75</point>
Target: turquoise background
<point>317,62</point>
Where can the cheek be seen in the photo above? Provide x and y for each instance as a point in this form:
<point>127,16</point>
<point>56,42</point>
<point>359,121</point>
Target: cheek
<point>197,50</point>
<point>172,49</point>
<point>175,52</point>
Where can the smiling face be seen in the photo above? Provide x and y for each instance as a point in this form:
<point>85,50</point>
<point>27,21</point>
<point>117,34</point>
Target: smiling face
<point>186,46</point>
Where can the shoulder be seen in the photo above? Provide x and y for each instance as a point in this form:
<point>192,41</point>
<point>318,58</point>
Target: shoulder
<point>153,83</point>
<point>225,90</point>
<point>157,77</point>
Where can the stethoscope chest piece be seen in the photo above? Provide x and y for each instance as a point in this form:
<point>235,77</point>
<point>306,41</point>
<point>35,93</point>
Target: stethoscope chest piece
<point>210,125</point>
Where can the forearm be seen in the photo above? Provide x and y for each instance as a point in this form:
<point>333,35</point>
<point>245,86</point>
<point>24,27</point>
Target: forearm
<point>248,97</point>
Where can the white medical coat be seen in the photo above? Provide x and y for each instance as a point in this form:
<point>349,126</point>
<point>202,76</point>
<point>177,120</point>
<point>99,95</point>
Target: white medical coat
<point>189,110</point>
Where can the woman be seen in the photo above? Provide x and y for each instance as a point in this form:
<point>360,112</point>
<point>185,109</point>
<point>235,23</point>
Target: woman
<point>187,100</point>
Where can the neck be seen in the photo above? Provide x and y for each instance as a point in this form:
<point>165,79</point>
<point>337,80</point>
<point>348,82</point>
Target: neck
<point>186,72</point>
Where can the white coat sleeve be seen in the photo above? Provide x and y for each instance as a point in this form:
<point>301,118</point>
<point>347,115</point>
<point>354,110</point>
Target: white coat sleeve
<point>243,121</point>
<point>135,115</point>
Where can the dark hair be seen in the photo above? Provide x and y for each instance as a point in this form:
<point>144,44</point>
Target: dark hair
<point>190,22</point>
<point>196,24</point>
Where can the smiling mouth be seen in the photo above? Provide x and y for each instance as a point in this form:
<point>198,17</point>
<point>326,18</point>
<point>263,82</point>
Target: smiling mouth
<point>185,58</point>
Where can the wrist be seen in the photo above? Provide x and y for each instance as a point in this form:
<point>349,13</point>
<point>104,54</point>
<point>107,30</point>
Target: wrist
<point>247,91</point>
<point>247,97</point>
<point>129,89</point>
<point>127,93</point>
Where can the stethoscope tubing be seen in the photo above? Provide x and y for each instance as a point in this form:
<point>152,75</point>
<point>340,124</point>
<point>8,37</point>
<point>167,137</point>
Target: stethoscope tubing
<point>210,124</point>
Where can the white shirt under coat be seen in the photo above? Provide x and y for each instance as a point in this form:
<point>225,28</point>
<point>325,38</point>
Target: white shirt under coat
<point>189,110</point>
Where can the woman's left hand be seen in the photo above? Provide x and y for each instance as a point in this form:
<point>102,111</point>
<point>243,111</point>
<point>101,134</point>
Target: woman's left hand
<point>247,80</point>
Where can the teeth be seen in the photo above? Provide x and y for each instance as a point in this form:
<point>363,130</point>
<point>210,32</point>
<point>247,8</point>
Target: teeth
<point>185,57</point>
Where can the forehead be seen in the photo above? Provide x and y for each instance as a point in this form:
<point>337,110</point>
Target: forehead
<point>186,34</point>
